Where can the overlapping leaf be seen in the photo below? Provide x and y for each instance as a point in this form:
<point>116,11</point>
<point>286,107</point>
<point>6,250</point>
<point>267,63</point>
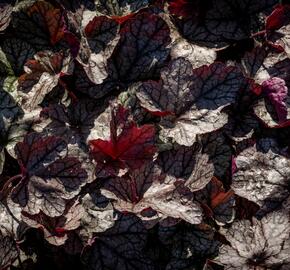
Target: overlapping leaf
<point>56,229</point>
<point>97,46</point>
<point>220,22</point>
<point>263,244</point>
<point>48,176</point>
<point>5,15</point>
<point>148,189</point>
<point>121,247</point>
<point>195,100</point>
<point>262,173</point>
<point>42,75</point>
<point>274,109</point>
<point>128,146</point>
<point>40,24</point>
<point>74,123</point>
<point>217,202</point>
<point>278,26</point>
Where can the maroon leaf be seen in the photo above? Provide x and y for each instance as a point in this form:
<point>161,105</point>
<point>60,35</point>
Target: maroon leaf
<point>129,146</point>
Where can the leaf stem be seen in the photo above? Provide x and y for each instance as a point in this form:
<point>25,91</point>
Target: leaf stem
<point>260,33</point>
<point>9,181</point>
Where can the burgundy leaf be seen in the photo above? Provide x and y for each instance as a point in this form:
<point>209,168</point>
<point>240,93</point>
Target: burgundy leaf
<point>276,91</point>
<point>129,146</point>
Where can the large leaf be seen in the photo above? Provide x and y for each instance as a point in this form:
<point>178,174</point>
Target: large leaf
<point>48,178</point>
<point>120,247</point>
<point>187,164</point>
<point>42,75</point>
<point>74,123</point>
<point>142,48</point>
<point>147,188</point>
<point>97,46</point>
<point>221,21</point>
<point>262,173</point>
<point>40,25</point>
<point>205,90</point>
<point>264,243</point>
<point>128,146</point>
<point>56,229</point>
<point>17,52</point>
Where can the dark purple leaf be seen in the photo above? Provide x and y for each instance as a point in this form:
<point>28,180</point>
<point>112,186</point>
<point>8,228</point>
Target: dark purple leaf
<point>48,178</point>
<point>121,247</point>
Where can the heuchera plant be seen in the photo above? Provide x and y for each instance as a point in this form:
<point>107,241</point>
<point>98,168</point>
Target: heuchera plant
<point>145,134</point>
